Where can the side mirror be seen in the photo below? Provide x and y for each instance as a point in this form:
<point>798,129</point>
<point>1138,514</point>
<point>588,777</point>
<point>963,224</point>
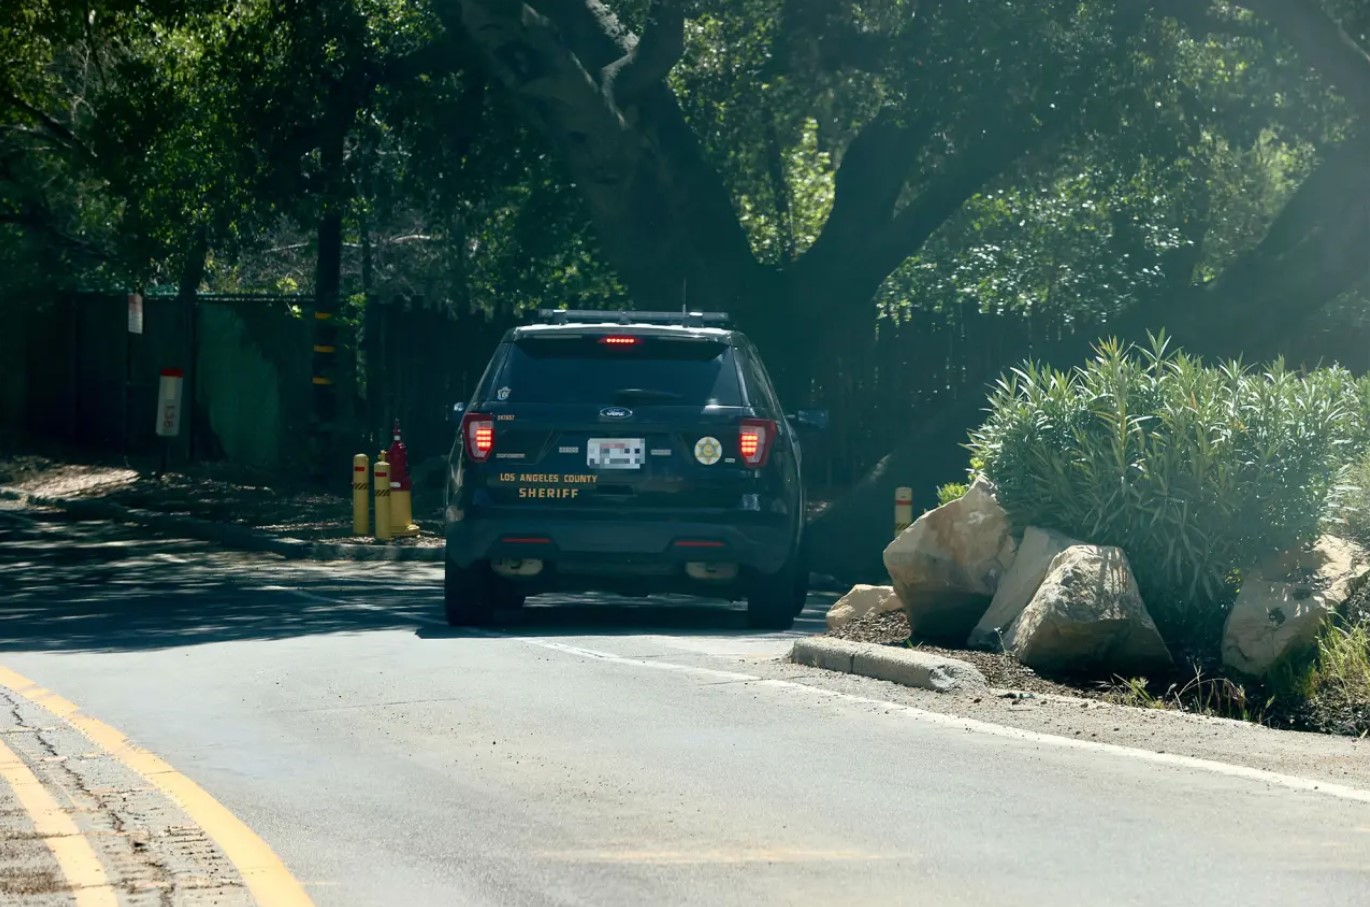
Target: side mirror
<point>815,419</point>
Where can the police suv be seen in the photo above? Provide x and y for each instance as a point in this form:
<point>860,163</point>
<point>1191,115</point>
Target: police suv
<point>626,452</point>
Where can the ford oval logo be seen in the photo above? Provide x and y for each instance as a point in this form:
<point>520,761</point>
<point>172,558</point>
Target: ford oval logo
<point>615,412</point>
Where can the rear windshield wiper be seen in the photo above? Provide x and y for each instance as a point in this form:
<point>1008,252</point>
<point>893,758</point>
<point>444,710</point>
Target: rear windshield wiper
<point>644,393</point>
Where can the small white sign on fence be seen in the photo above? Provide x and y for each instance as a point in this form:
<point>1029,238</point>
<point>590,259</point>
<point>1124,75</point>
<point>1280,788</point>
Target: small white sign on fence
<point>135,313</point>
<point>169,403</point>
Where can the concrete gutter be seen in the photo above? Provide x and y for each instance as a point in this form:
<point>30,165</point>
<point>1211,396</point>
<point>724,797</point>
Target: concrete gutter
<point>908,667</point>
<point>230,535</point>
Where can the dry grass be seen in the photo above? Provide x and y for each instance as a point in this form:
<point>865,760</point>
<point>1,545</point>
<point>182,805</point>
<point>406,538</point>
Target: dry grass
<point>1344,659</point>
<point>1202,694</point>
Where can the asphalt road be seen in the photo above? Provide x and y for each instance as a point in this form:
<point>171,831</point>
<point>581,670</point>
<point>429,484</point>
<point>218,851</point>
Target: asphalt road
<point>608,752</point>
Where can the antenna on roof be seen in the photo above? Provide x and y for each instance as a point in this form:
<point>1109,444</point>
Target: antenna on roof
<point>684,294</point>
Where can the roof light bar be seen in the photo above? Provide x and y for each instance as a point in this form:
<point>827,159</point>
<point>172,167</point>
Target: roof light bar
<point>682,319</point>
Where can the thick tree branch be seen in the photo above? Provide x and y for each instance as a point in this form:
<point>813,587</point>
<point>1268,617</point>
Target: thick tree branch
<point>56,129</point>
<point>875,167</point>
<point>989,157</point>
<point>661,211</point>
<point>527,53</point>
<point>591,30</point>
<point>1313,252</point>
<point>868,184</point>
<point>652,56</point>
<point>1323,191</point>
<point>826,36</point>
<point>1323,44</point>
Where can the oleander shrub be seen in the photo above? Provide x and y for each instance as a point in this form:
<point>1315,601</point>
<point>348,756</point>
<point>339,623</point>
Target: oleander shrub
<point>1351,513</point>
<point>1196,471</point>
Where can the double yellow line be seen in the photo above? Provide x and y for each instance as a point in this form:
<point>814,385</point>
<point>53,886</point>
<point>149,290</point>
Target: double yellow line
<point>78,862</point>
<point>266,877</point>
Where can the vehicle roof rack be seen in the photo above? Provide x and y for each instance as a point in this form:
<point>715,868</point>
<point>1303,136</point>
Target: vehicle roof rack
<point>590,316</point>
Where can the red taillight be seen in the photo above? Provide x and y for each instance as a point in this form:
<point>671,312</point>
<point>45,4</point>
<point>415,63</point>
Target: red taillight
<point>479,434</point>
<point>618,340</point>
<point>754,441</point>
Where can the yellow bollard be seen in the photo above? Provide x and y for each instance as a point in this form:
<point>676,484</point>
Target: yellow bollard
<point>903,510</point>
<point>402,512</point>
<point>383,530</point>
<point>361,495</point>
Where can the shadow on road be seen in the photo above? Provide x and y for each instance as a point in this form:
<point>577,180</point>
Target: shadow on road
<point>90,586</point>
<point>606,615</point>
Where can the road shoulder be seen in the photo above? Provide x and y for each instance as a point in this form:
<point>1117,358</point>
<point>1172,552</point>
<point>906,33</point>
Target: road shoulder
<point>1318,757</point>
<point>135,842</point>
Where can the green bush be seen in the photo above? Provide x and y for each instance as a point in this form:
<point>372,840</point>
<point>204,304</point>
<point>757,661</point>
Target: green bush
<point>1194,471</point>
<point>952,491</point>
<point>1352,512</point>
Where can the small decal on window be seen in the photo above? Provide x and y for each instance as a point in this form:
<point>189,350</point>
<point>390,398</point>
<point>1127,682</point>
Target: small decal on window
<point>502,393</point>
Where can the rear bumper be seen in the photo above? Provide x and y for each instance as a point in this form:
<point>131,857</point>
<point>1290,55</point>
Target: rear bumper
<point>596,554</point>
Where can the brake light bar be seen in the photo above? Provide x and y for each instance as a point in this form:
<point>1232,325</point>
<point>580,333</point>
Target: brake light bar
<point>754,440</point>
<point>618,340</point>
<point>478,433</point>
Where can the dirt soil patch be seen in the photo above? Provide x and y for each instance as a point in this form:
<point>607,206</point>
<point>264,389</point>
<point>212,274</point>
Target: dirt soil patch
<point>212,491</point>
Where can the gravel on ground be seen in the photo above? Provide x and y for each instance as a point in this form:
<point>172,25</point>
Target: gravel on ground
<point>1202,690</point>
<point>1002,671</point>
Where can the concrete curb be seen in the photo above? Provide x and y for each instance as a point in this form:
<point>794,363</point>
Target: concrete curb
<point>908,667</point>
<point>230,535</point>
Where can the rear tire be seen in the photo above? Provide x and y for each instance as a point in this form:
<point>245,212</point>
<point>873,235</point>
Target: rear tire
<point>777,598</point>
<point>468,598</point>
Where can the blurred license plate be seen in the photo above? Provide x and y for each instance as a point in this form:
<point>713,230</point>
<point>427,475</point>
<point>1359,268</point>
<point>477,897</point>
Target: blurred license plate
<point>615,453</point>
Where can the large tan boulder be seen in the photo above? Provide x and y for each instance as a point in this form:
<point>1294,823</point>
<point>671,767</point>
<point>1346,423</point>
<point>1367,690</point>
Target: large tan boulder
<point>861,601</point>
<point>948,564</point>
<point>1036,552</point>
<point>1088,617</point>
<point>1282,607</point>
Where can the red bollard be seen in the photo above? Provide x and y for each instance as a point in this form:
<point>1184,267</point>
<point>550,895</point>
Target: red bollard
<point>401,488</point>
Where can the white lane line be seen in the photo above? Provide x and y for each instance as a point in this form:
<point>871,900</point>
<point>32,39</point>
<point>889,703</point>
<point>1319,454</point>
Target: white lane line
<point>619,659</point>
<point>972,725</point>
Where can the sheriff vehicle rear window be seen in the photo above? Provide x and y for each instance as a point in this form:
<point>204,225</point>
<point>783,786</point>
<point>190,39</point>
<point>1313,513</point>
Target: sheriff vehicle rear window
<point>627,370</point>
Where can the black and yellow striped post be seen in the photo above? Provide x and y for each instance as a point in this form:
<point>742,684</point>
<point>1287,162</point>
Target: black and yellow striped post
<point>361,495</point>
<point>383,529</point>
<point>903,510</point>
